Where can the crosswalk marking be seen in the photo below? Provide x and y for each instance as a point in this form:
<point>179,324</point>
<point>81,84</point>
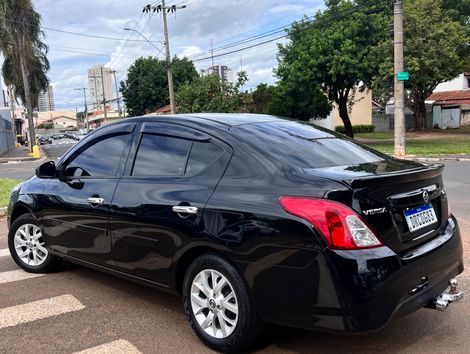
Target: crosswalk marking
<point>16,275</point>
<point>15,315</point>
<point>4,252</point>
<point>117,346</point>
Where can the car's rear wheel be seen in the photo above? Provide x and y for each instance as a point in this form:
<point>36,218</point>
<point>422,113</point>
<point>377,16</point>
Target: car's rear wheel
<point>27,246</point>
<point>218,305</point>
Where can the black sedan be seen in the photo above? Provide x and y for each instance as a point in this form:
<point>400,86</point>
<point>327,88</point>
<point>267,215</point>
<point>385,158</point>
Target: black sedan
<point>253,219</point>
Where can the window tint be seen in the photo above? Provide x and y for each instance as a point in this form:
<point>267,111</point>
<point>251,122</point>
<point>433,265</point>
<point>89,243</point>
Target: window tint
<point>161,156</point>
<point>100,159</point>
<point>201,156</point>
<point>303,145</point>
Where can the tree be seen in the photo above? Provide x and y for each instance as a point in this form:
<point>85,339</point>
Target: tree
<point>209,94</point>
<point>146,87</point>
<point>261,98</point>
<point>25,55</point>
<point>435,51</point>
<point>338,50</point>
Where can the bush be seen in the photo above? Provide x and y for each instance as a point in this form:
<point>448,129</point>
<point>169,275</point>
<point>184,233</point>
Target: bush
<point>359,128</point>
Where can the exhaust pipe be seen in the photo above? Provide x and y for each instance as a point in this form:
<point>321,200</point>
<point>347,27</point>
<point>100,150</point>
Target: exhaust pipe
<point>452,294</point>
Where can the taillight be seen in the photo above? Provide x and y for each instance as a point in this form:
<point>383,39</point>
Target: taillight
<point>340,226</point>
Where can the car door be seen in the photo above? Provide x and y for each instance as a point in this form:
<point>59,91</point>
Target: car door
<point>159,201</point>
<point>76,204</point>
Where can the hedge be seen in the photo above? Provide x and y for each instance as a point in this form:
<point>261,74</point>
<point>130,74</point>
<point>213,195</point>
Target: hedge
<point>359,128</point>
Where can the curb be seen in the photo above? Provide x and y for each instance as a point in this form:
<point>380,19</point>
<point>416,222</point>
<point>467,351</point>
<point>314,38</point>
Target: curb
<point>437,159</point>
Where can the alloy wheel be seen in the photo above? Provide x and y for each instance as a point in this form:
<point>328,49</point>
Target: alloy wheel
<point>214,303</point>
<point>29,245</point>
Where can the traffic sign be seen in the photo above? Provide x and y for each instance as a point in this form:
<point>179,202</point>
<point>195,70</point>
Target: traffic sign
<point>403,76</point>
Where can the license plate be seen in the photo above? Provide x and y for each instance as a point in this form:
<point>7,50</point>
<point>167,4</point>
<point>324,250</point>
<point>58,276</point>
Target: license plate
<point>420,217</point>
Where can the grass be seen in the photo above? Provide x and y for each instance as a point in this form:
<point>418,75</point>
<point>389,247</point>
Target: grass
<point>377,135</point>
<point>428,147</point>
<point>6,186</point>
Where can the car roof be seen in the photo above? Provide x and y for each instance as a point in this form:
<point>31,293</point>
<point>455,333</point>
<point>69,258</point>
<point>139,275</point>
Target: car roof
<point>212,119</point>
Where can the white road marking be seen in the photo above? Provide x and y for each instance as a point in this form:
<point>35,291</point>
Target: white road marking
<point>4,252</point>
<point>116,346</point>
<point>16,275</point>
<point>15,315</point>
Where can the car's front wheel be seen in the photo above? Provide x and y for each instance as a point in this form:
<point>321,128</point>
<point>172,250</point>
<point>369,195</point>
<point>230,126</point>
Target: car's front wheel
<point>218,305</point>
<point>27,246</point>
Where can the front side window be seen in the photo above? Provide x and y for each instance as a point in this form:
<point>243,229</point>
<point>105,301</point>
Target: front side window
<point>100,159</point>
<point>161,156</point>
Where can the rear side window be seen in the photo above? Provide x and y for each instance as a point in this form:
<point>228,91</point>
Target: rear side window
<point>161,156</point>
<point>202,155</point>
<point>305,146</point>
<point>100,159</point>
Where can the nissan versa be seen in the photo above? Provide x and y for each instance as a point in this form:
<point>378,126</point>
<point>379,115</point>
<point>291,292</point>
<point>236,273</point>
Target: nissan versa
<point>253,219</point>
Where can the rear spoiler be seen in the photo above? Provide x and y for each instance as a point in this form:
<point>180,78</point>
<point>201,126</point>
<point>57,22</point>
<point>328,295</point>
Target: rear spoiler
<point>355,177</point>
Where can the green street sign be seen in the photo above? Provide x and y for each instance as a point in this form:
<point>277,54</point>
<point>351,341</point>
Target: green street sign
<point>403,76</point>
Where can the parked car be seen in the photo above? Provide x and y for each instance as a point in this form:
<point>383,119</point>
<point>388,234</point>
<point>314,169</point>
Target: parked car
<point>253,219</point>
<point>44,139</point>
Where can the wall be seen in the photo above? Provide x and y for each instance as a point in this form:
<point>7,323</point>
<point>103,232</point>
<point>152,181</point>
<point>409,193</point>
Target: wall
<point>361,112</point>
<point>459,83</point>
<point>7,139</point>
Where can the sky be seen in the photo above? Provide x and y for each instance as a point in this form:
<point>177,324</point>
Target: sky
<point>191,30</point>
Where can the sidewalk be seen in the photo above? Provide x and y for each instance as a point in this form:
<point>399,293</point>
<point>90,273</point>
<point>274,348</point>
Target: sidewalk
<point>16,154</point>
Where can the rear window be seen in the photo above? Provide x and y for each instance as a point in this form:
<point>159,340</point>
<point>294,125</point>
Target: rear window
<point>305,146</point>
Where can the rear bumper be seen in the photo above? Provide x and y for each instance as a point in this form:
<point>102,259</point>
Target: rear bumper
<point>362,290</point>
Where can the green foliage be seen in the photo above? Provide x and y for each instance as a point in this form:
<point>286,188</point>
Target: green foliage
<point>25,54</point>
<point>338,51</point>
<point>358,128</point>
<point>6,185</point>
<point>209,94</point>
<point>46,126</point>
<point>261,98</point>
<point>146,87</point>
<point>435,51</point>
<point>298,102</point>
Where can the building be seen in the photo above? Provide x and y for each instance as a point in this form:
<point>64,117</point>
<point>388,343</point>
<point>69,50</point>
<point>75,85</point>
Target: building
<point>361,112</point>
<point>450,109</point>
<point>46,100</point>
<point>100,82</point>
<point>7,135</point>
<point>461,82</point>
<point>223,72</point>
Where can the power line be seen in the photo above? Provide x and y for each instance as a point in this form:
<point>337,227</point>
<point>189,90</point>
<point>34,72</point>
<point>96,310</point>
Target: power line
<point>312,25</point>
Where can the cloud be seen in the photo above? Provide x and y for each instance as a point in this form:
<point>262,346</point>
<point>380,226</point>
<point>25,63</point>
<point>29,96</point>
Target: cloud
<point>191,31</point>
<point>286,8</point>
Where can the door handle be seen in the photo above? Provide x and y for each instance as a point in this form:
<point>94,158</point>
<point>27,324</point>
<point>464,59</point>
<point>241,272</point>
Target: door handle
<point>94,200</point>
<point>183,209</point>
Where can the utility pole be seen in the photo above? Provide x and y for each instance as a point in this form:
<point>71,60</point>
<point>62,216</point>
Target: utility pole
<point>104,96</point>
<point>399,85</point>
<point>117,93</point>
<point>86,108</point>
<point>164,9</point>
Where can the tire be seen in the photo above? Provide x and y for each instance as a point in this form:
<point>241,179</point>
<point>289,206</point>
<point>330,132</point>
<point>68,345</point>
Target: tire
<point>210,313</point>
<point>27,246</point>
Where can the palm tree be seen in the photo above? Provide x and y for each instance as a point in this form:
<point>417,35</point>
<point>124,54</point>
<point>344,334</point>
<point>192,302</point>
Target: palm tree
<point>25,61</point>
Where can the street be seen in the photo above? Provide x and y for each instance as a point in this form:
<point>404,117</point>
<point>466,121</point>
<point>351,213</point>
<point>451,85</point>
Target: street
<point>79,308</point>
<point>25,170</point>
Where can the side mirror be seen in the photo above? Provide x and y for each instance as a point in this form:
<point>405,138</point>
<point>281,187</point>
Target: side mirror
<point>46,170</point>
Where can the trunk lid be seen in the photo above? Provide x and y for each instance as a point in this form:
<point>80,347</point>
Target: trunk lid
<point>385,192</point>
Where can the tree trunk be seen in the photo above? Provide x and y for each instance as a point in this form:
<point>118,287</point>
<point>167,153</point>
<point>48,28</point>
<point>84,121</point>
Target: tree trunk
<point>420,112</point>
<point>344,115</point>
<point>29,103</point>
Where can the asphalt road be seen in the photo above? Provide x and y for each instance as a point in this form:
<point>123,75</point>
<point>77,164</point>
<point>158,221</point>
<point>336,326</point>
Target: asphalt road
<point>24,170</point>
<point>78,309</point>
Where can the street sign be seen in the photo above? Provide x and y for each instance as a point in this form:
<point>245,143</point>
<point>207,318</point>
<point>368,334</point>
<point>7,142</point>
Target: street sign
<point>403,76</point>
